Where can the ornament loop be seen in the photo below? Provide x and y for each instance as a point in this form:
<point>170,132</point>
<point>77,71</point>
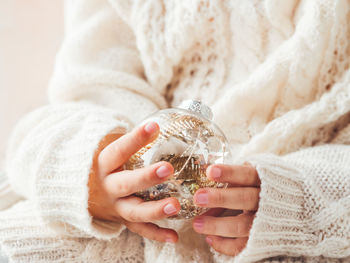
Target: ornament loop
<point>198,107</point>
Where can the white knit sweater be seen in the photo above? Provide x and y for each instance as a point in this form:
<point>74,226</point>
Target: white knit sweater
<point>277,76</point>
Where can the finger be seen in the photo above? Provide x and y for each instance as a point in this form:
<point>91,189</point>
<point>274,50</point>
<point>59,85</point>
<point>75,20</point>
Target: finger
<point>227,246</point>
<point>134,209</point>
<point>214,212</point>
<point>118,152</point>
<point>245,198</point>
<point>127,182</point>
<point>236,175</point>
<point>236,226</point>
<point>153,232</point>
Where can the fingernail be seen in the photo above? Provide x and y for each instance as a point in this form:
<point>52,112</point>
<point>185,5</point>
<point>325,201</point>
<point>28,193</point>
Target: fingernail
<point>215,172</point>
<point>169,240</point>
<point>150,127</point>
<point>169,209</point>
<point>202,199</point>
<point>163,171</point>
<point>209,240</point>
<point>198,224</point>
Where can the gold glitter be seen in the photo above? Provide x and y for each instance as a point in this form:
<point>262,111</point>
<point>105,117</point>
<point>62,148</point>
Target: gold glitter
<point>189,166</point>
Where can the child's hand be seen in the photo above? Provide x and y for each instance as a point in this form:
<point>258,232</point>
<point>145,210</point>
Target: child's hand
<point>228,235</point>
<point>111,187</point>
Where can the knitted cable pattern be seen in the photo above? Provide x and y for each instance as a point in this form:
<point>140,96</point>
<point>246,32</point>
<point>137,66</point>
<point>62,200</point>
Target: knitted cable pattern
<point>276,74</point>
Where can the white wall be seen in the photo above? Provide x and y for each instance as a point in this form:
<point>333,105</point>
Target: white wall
<point>30,35</point>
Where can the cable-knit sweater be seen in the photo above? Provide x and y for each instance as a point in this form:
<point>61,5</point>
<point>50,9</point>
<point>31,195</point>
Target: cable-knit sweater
<point>277,76</point>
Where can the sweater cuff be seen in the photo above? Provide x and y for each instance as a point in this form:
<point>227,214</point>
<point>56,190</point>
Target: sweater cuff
<point>62,183</point>
<point>278,228</point>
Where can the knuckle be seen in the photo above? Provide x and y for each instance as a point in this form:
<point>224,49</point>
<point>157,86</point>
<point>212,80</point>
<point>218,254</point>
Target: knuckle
<point>133,216</point>
<point>219,197</point>
<point>250,171</point>
<point>246,179</point>
<point>119,150</point>
<point>123,188</point>
<point>240,228</point>
<point>234,229</point>
<point>246,169</point>
<point>251,174</point>
<point>246,196</point>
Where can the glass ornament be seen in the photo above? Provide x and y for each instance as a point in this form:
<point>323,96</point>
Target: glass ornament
<point>190,141</point>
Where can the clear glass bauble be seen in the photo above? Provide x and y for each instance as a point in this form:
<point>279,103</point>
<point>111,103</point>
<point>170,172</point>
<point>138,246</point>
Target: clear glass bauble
<point>190,141</point>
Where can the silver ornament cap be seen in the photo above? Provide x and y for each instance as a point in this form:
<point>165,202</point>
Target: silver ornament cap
<point>197,107</point>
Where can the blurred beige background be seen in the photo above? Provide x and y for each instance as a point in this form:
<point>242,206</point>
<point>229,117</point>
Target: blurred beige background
<point>30,35</point>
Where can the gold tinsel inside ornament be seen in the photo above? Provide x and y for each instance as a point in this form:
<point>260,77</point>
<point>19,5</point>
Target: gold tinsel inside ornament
<point>190,143</point>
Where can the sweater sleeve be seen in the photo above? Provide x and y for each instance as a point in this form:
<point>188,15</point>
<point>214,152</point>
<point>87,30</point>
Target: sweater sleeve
<point>304,208</point>
<point>25,237</point>
<point>97,87</point>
